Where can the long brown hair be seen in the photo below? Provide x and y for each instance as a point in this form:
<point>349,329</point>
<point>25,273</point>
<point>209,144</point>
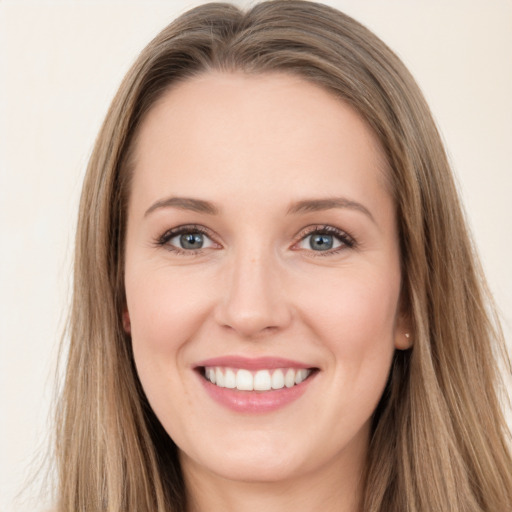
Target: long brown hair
<point>439,440</point>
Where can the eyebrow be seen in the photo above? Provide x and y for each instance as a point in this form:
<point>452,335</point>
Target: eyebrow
<point>300,207</point>
<point>316,205</point>
<point>184,203</point>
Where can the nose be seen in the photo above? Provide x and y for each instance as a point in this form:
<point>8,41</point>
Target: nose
<point>254,302</point>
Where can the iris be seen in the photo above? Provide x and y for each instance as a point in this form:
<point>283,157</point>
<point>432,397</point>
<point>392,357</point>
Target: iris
<point>191,241</point>
<point>321,242</point>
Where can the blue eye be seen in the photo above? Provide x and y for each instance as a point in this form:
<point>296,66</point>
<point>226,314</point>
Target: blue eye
<point>189,240</point>
<point>325,239</point>
<point>186,239</point>
<point>321,242</point>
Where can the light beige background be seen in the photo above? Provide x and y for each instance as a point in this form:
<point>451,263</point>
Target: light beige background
<point>60,64</point>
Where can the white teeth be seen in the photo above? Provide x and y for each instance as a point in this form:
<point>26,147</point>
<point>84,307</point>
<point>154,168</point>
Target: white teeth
<point>229,379</point>
<point>244,380</point>
<point>262,380</point>
<point>210,374</point>
<point>278,379</point>
<point>289,379</point>
<point>301,375</point>
<point>219,378</point>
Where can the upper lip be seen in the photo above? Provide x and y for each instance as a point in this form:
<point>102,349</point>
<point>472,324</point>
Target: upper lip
<point>248,363</point>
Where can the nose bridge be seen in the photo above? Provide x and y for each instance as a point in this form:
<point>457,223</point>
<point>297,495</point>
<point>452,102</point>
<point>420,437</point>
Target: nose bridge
<point>254,300</point>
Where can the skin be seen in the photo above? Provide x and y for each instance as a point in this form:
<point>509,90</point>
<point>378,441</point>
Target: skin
<point>253,146</point>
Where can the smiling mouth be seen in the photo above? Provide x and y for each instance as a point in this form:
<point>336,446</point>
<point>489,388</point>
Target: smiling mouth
<point>242,379</point>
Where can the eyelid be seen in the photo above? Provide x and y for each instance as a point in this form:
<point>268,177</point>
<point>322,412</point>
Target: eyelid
<point>347,241</point>
<point>164,239</point>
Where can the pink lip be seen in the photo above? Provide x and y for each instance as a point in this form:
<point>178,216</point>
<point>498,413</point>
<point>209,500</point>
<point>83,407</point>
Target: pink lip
<point>254,401</point>
<point>258,363</point>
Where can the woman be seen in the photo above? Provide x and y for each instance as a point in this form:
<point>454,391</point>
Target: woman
<point>276,302</point>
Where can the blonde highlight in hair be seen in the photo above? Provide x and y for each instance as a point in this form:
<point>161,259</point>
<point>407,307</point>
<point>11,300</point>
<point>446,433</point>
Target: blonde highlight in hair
<point>439,440</point>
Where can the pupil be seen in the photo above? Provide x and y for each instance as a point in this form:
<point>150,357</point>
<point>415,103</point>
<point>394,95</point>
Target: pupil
<point>191,241</point>
<point>321,242</point>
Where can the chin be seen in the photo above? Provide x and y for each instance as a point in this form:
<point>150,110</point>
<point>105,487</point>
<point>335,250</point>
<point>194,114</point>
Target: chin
<point>256,471</point>
<point>250,463</point>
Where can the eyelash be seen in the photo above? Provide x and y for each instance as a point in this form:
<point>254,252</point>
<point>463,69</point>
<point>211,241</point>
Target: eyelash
<point>163,240</point>
<point>347,241</point>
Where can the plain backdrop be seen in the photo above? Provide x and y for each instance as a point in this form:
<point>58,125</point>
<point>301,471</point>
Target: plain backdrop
<point>60,65</point>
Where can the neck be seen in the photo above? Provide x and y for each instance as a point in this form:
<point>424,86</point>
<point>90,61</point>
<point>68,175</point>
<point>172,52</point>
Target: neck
<point>328,489</point>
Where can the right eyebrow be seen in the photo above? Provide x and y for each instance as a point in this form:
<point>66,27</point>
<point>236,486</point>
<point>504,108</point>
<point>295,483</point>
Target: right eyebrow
<point>184,203</point>
<point>317,205</point>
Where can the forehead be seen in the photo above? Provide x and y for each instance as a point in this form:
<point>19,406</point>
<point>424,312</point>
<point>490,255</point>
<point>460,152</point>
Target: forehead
<point>270,130</point>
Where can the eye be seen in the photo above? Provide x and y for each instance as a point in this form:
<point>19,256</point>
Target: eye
<point>186,239</point>
<point>325,239</point>
<point>191,241</point>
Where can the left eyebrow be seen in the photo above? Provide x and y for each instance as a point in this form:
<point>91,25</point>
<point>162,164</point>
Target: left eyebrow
<point>184,203</point>
<point>317,205</point>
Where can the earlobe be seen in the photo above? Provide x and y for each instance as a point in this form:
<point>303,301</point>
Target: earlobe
<point>403,339</point>
<point>127,326</point>
<point>404,333</point>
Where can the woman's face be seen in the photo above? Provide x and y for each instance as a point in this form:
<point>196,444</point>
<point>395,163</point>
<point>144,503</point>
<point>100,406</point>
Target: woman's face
<point>262,254</point>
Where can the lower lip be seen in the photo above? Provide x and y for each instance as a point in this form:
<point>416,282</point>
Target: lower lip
<point>256,401</point>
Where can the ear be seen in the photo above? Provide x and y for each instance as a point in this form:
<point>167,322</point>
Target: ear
<point>403,333</point>
<point>127,326</point>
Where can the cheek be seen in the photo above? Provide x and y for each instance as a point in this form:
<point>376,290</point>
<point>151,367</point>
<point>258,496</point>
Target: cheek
<point>166,312</point>
<point>356,321</point>
<point>355,306</point>
<point>164,308</point>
